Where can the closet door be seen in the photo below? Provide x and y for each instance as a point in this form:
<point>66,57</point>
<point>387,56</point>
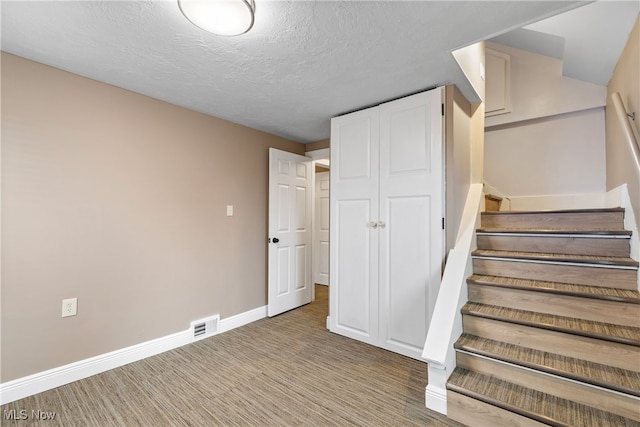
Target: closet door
<point>353,286</point>
<point>411,181</point>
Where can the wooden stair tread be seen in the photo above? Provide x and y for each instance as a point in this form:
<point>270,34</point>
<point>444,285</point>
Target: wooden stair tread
<point>618,379</point>
<point>551,231</point>
<point>585,291</point>
<point>556,211</point>
<point>521,260</point>
<point>527,402</point>
<point>560,258</point>
<point>588,328</point>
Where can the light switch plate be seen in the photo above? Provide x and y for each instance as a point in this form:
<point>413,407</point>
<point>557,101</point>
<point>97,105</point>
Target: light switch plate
<point>229,210</point>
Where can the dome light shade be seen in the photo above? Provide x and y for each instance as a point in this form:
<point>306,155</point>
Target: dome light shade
<point>222,17</point>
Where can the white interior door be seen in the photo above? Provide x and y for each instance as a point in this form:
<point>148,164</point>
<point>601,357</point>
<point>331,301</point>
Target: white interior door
<point>411,210</point>
<point>321,229</point>
<point>290,192</point>
<point>353,296</point>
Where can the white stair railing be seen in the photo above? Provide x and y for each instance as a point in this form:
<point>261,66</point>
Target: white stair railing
<point>446,322</point>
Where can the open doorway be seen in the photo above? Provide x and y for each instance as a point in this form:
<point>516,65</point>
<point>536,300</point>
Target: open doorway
<point>320,245</point>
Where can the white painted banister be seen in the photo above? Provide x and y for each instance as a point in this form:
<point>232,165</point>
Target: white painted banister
<point>446,322</point>
<point>629,131</point>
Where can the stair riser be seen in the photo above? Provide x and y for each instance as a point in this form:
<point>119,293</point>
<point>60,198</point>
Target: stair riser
<point>560,305</point>
<point>592,349</point>
<point>556,221</point>
<point>575,274</point>
<point>586,394</point>
<point>472,412</point>
<point>556,245</point>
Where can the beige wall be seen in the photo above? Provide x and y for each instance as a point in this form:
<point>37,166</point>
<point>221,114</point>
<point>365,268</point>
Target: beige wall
<point>120,200</point>
<point>478,143</point>
<point>550,156</point>
<point>625,80</point>
<point>458,159</point>
<point>552,141</point>
<point>464,142</point>
<point>318,145</point>
<point>471,60</point>
<point>464,135</point>
<point>538,88</point>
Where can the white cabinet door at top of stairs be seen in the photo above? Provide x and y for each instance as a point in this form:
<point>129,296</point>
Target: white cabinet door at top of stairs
<point>386,229</point>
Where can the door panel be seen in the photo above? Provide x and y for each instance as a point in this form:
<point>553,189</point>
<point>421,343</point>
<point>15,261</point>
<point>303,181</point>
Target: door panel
<point>283,208</point>
<point>411,207</point>
<point>356,155</point>
<point>408,272</point>
<point>302,216</point>
<point>301,266</point>
<point>408,150</point>
<point>354,167</point>
<point>353,243</point>
<point>283,259</point>
<point>290,177</point>
<point>321,247</point>
<point>356,297</point>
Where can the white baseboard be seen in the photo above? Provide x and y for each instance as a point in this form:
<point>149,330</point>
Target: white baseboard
<point>52,378</point>
<point>37,383</point>
<point>436,399</point>
<point>243,319</point>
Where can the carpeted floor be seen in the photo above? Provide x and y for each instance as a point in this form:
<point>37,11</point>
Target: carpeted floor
<point>283,371</point>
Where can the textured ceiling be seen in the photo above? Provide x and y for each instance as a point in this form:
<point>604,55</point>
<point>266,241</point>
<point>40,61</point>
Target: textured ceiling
<point>302,63</point>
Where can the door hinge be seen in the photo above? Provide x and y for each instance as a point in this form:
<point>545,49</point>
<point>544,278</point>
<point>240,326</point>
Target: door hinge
<point>442,105</point>
<point>443,223</point>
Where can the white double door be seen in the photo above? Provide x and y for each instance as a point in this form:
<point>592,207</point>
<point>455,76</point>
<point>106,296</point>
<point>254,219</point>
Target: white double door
<point>386,222</point>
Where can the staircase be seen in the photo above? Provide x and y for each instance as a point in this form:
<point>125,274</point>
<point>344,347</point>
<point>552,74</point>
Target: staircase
<point>551,331</point>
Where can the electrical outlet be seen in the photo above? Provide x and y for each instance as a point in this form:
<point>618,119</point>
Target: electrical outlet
<point>69,307</point>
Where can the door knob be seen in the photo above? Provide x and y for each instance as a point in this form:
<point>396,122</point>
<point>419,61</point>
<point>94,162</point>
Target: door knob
<point>373,224</point>
<point>275,240</point>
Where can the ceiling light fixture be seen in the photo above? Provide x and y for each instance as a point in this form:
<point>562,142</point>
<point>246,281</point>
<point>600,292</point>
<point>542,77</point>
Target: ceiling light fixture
<point>222,17</point>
